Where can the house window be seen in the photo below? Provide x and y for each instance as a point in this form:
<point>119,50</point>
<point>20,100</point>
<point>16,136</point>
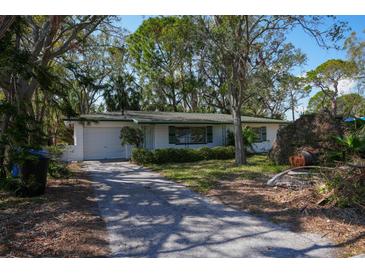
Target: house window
<point>260,133</point>
<point>189,135</point>
<point>210,134</point>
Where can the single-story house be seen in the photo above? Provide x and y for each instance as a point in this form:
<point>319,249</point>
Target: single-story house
<point>97,136</point>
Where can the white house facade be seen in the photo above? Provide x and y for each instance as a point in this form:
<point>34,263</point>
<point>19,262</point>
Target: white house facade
<point>97,136</point>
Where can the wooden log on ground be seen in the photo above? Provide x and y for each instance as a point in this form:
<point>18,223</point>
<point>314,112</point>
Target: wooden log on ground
<point>279,175</point>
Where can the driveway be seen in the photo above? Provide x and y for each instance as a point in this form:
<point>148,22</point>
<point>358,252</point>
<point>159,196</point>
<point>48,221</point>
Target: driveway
<point>150,216</point>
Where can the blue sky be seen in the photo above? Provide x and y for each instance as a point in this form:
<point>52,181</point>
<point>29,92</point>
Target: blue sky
<point>315,54</point>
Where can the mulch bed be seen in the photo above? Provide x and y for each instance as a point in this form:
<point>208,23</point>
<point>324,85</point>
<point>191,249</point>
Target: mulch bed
<point>297,209</point>
<point>62,223</point>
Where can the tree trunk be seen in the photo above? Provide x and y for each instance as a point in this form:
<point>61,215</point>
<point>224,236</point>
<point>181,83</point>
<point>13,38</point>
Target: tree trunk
<point>334,100</point>
<point>292,106</point>
<point>240,154</point>
<point>334,106</point>
<point>4,127</point>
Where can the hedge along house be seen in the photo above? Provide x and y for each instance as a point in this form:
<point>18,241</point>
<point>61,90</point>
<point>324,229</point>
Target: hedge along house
<point>97,136</point>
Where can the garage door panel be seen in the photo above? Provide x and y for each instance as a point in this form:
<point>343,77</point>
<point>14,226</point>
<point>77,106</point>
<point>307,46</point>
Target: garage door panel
<point>102,143</point>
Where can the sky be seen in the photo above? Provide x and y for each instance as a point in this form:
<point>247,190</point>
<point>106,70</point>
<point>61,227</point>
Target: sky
<point>315,54</point>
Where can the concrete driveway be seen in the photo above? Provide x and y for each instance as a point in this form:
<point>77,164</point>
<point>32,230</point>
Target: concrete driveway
<point>150,216</point>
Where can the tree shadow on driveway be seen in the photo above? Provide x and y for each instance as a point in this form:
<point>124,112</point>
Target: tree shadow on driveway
<point>149,216</point>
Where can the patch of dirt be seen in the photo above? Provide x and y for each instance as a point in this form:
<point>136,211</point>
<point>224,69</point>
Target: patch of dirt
<point>297,209</point>
<point>62,223</point>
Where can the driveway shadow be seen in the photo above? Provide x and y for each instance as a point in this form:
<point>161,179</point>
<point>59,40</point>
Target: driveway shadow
<point>149,216</point>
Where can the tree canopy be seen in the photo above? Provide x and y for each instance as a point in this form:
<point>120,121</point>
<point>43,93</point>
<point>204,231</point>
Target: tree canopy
<point>55,66</point>
<point>327,77</point>
<point>348,105</point>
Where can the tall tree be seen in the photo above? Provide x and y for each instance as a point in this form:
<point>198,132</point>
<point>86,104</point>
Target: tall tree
<point>28,50</point>
<point>276,88</point>
<point>161,51</point>
<point>123,91</point>
<point>243,43</point>
<point>348,105</point>
<point>87,74</point>
<point>356,51</point>
<point>327,77</point>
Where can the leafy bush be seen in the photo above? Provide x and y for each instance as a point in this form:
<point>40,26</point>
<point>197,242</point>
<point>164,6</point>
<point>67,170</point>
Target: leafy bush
<point>206,153</point>
<point>248,135</point>
<point>56,168</point>
<point>142,156</point>
<point>176,155</point>
<point>352,144</point>
<point>222,153</point>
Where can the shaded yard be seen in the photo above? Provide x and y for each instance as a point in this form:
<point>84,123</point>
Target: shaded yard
<point>245,188</point>
<point>206,175</point>
<point>62,223</point>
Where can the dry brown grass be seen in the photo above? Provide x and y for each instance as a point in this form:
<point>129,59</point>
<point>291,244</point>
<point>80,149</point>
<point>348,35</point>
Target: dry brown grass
<point>62,223</point>
<point>298,209</point>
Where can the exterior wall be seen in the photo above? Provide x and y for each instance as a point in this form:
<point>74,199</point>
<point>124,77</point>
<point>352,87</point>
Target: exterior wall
<point>271,131</point>
<point>157,136</point>
<point>162,136</point>
<point>76,152</point>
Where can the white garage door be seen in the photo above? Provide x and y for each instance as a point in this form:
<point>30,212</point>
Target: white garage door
<point>102,143</point>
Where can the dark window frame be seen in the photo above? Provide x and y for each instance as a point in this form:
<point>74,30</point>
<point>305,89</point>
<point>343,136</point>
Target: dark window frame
<point>261,134</point>
<point>173,138</point>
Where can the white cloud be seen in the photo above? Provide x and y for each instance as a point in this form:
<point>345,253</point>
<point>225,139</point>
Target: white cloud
<point>347,86</point>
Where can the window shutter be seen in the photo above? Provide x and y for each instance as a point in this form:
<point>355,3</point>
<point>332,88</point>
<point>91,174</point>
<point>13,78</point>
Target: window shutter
<point>210,134</point>
<point>172,135</point>
<point>263,134</point>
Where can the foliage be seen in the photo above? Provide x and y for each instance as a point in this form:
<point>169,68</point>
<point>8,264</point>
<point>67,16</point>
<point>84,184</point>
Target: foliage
<point>346,187</point>
<point>123,91</point>
<point>180,155</point>
<point>318,102</point>
<point>348,105</point>
<point>248,135</point>
<point>86,75</point>
<point>162,55</point>
<point>29,78</point>
<point>244,46</point>
<point>131,136</point>
<point>327,77</point>
<point>356,51</point>
<point>202,176</point>
<point>352,145</point>
<point>142,156</point>
<point>57,168</point>
<point>276,89</point>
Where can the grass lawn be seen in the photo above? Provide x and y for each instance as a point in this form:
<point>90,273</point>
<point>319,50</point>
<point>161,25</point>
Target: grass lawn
<point>245,188</point>
<point>204,176</point>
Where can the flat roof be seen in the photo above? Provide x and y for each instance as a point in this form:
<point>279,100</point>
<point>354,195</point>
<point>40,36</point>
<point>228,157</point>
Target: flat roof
<point>159,117</point>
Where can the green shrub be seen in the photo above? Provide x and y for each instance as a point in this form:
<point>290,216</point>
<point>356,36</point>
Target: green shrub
<point>180,155</point>
<point>222,153</point>
<point>248,135</point>
<point>206,153</point>
<point>58,169</point>
<point>142,156</point>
